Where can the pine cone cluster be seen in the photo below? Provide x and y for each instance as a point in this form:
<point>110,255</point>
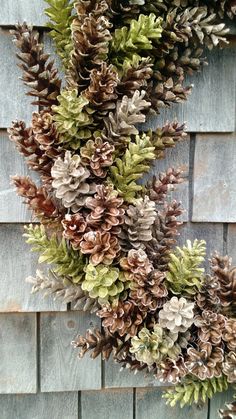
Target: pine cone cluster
<point>107,231</point>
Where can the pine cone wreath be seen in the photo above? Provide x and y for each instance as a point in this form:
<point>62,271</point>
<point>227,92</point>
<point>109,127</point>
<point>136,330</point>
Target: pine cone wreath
<point>107,229</point>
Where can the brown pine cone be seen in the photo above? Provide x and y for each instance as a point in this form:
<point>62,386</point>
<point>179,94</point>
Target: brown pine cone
<point>106,212</point>
<point>229,367</point>
<point>229,334</point>
<point>98,154</point>
<point>205,362</point>
<point>135,76</point>
<point>44,129</point>
<point>160,187</point>
<point>221,266</point>
<point>149,293</point>
<point>208,298</point>
<point>123,318</point>
<point>101,91</point>
<point>101,246</point>
<point>229,412</point>
<point>74,228</point>
<point>36,198</point>
<point>171,371</point>
<point>97,342</point>
<point>136,265</point>
<point>210,326</point>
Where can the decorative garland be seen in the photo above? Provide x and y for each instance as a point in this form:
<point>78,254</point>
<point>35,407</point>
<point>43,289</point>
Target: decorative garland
<point>109,238</point>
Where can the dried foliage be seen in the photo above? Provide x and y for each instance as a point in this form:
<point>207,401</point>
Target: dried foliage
<point>108,237</point>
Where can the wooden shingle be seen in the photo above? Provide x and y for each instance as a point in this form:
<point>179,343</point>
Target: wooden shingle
<point>31,12</point>
<point>112,404</point>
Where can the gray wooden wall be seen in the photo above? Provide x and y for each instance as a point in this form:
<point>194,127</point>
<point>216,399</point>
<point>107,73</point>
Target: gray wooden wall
<point>40,375</point>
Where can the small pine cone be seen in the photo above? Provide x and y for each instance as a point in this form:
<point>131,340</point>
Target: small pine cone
<point>70,181</point>
<point>135,75</point>
<point>106,210</point>
<point>229,412</point>
<point>91,37</point>
<point>165,183</point>
<point>210,327</point>
<point>23,138</point>
<point>166,137</point>
<point>136,264</point>
<point>149,293</point>
<point>39,74</point>
<point>101,246</point>
<point>229,334</point>
<point>122,318</point>
<point>207,298</point>
<point>74,228</point>
<point>44,129</point>
<point>138,221</point>
<point>205,362</point>
<point>229,367</point>
<point>98,155</point>
<point>97,342</point>
<point>164,231</point>
<point>177,315</point>
<point>171,371</point>
<point>166,91</point>
<point>221,266</point>
<point>36,198</point>
<point>101,91</point>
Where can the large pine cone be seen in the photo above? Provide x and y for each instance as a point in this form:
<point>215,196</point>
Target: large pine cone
<point>210,327</point>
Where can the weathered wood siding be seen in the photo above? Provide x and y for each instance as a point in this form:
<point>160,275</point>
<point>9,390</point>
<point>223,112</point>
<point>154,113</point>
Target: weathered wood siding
<point>40,375</point>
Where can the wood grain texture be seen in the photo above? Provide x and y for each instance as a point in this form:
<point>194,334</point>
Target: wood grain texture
<point>12,208</point>
<point>115,377</point>
<point>218,402</point>
<point>149,404</point>
<point>40,406</point>
<point>112,404</point>
<point>61,369</point>
<point>31,12</point>
<point>231,242</point>
<point>14,104</point>
<point>212,233</point>
<point>214,189</point>
<point>211,106</point>
<point>177,157</point>
<point>18,353</point>
<point>17,262</point>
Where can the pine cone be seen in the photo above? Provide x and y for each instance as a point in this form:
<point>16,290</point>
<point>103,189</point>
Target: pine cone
<point>101,91</point>
<point>120,124</point>
<point>166,137</point>
<point>98,155</point>
<point>135,75</point>
<point>221,266</point>
<point>150,292</point>
<point>177,315</point>
<point>159,187</point>
<point>210,327</point>
<point>138,221</point>
<point>171,371</point>
<point>229,412</point>
<point>103,283</point>
<point>62,288</point>
<point>97,342</point>
<point>106,213</point>
<point>38,73</point>
<point>229,367</point>
<point>73,118</point>
<point>102,247</point>
<point>136,265</point>
<point>164,231</point>
<point>208,298</point>
<point>151,347</point>
<point>229,334</point>
<point>44,129</point>
<point>91,37</point>
<point>205,362</point>
<point>70,181</point>
<point>37,199</point>
<point>74,228</point>
<point>122,318</point>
